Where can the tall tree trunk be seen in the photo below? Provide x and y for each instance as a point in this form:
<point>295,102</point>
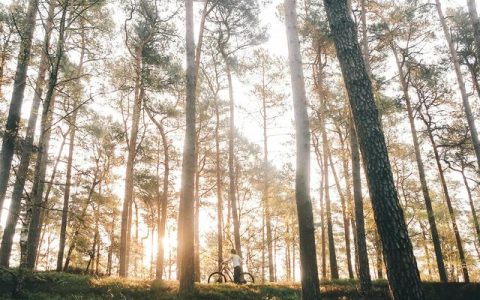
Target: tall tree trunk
<point>42,159</point>
<point>331,241</point>
<point>68,180</point>
<point>164,204</point>
<point>185,255</point>
<point>110,248</point>
<point>421,171</point>
<point>266,199</point>
<point>361,243</point>
<point>219,186</point>
<point>451,212</point>
<point>403,275</point>
<point>16,102</point>
<point>132,151</point>
<point>66,195</point>
<point>346,222</point>
<point>461,84</point>
<point>308,256</point>
<point>197,223</point>
<point>472,11</point>
<point>15,204</point>
<point>231,158</point>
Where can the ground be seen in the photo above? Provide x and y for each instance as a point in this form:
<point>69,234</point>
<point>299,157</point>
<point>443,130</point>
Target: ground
<point>52,285</point>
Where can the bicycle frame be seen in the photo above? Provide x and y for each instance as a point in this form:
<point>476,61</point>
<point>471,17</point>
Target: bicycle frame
<point>227,273</point>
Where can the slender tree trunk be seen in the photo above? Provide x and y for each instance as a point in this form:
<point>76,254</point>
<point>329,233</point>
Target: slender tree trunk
<point>197,223</point>
<point>164,203</point>
<point>16,102</point>
<point>451,212</point>
<point>132,149</point>
<point>42,159</point>
<point>421,171</point>
<point>361,243</point>
<point>219,186</point>
<point>110,248</point>
<point>185,218</point>
<point>403,275</point>
<point>308,256</point>
<point>14,211</point>
<point>266,199</point>
<point>461,83</point>
<point>68,180</point>
<point>231,158</point>
<point>73,239</point>
<point>66,196</point>
<point>331,241</point>
<point>346,223</point>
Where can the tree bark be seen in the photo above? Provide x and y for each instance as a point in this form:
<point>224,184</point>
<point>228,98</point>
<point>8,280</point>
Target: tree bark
<point>27,149</point>
<point>308,256</point>
<point>461,84</point>
<point>231,158</point>
<point>266,198</point>
<point>185,217</point>
<point>35,226</point>
<point>16,102</point>
<point>219,186</point>
<point>68,180</point>
<point>132,149</point>
<point>421,171</point>
<point>403,275</point>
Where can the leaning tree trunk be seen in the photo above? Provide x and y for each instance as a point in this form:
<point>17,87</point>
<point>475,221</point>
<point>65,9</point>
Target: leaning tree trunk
<point>185,216</point>
<point>458,239</point>
<point>308,256</point>
<point>421,171</point>
<point>403,275</point>
<point>19,83</point>
<point>27,149</point>
<point>361,243</point>
<point>461,84</point>
<point>35,225</point>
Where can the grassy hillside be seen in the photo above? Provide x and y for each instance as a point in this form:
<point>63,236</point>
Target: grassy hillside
<point>51,285</point>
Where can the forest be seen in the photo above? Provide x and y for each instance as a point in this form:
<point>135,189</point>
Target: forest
<point>304,149</point>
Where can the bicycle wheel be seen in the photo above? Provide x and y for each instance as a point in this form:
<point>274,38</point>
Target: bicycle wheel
<point>248,278</point>
<point>217,277</point>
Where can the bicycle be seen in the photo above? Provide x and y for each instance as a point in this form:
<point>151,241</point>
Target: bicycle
<point>221,276</point>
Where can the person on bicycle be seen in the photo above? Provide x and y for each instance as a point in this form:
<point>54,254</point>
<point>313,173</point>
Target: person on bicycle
<point>237,266</point>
